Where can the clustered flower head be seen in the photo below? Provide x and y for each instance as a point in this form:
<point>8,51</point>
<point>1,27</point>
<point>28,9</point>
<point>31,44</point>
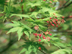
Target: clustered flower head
<point>43,36</point>
<point>54,21</point>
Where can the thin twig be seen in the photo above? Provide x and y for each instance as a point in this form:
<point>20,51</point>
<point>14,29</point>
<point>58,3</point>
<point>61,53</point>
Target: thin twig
<point>65,6</point>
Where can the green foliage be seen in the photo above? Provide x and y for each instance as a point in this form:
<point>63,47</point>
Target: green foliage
<point>31,46</point>
<point>33,15</point>
<point>20,28</point>
<point>62,51</point>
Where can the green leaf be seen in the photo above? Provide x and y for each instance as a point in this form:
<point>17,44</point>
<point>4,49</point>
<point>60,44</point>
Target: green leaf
<point>20,33</point>
<point>34,14</point>
<point>13,30</point>
<point>23,50</point>
<point>35,50</point>
<point>30,49</point>
<point>34,4</point>
<point>21,15</point>
<point>27,33</point>
<point>62,51</point>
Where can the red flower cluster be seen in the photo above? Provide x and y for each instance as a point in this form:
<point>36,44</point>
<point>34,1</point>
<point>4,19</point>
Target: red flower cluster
<point>55,21</point>
<point>40,35</point>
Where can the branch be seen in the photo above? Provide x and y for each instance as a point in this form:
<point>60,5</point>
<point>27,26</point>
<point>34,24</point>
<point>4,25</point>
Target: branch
<point>66,2</point>
<point>65,6</point>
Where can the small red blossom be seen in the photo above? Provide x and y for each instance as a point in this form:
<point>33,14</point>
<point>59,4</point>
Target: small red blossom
<point>47,21</point>
<point>46,32</point>
<point>56,19</point>
<point>48,38</point>
<point>44,37</point>
<point>40,35</point>
<point>36,27</point>
<point>50,18</point>
<point>39,40</point>
<point>62,16</point>
<point>70,16</point>
<point>52,24</point>
<point>35,34</point>
<point>56,25</point>
<point>63,20</point>
<point>50,34</point>
<point>39,48</point>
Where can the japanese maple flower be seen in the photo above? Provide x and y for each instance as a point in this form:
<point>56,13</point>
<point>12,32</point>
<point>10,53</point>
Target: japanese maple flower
<point>63,20</point>
<point>39,48</point>
<point>59,22</point>
<point>44,37</point>
<point>46,32</point>
<point>40,35</point>
<point>70,16</point>
<point>36,27</point>
<point>56,19</point>
<point>62,16</point>
<point>47,21</point>
<point>50,18</point>
<point>50,34</point>
<point>35,34</point>
<point>56,25</point>
<point>48,38</point>
<point>39,40</point>
<point>52,24</point>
